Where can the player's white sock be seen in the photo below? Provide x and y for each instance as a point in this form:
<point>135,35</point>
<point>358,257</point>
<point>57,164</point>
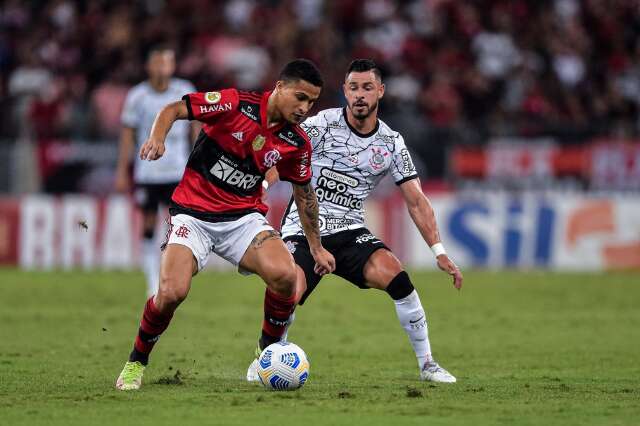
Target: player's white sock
<point>292,318</point>
<point>151,264</point>
<point>414,321</point>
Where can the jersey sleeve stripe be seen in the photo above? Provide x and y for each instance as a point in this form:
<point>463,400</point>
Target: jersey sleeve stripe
<point>407,179</point>
<point>189,111</point>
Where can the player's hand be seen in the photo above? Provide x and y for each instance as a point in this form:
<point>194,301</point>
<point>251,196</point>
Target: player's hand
<point>450,268</point>
<point>325,263</point>
<point>122,183</point>
<point>152,149</point>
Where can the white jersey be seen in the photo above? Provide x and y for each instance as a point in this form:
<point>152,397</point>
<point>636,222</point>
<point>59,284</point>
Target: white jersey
<point>140,109</point>
<point>347,166</point>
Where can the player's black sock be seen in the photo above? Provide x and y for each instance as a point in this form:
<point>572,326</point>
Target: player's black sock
<point>136,355</point>
<point>152,325</point>
<point>266,340</point>
<point>400,286</point>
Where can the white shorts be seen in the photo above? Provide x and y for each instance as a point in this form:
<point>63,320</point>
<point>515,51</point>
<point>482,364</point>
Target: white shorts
<point>229,240</point>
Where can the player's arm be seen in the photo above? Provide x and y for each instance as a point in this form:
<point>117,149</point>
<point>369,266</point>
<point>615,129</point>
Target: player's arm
<point>424,217</point>
<point>194,131</point>
<point>153,148</point>
<point>307,203</point>
<point>196,126</point>
<point>127,144</point>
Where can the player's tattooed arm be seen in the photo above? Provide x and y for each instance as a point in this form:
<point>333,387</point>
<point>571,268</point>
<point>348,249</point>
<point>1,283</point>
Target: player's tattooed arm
<point>307,203</point>
<point>154,148</point>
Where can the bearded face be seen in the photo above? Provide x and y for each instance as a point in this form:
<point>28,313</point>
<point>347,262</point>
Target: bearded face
<point>363,91</point>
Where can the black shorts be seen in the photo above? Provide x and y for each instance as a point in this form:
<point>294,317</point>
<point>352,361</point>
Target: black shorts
<point>351,249</point>
<point>149,196</point>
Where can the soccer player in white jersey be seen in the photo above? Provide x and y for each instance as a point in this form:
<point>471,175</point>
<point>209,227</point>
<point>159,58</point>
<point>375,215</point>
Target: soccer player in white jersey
<point>154,181</point>
<point>352,151</point>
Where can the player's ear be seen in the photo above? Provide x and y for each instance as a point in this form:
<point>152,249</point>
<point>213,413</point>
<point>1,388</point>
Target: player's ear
<point>381,91</point>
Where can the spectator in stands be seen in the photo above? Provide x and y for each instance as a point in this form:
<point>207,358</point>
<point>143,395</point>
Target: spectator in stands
<point>553,67</point>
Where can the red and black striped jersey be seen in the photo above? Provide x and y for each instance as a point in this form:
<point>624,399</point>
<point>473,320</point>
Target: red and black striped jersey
<point>224,174</point>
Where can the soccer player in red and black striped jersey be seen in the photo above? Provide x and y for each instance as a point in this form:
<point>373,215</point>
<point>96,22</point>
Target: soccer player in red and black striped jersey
<point>217,206</point>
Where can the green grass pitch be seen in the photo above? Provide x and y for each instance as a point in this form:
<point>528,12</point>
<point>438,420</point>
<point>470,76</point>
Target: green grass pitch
<point>528,349</point>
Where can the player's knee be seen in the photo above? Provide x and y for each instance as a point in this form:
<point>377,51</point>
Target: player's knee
<point>381,269</point>
<point>400,286</point>
<point>282,278</point>
<point>170,294</point>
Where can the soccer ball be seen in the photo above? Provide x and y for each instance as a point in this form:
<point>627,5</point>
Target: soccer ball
<point>283,366</point>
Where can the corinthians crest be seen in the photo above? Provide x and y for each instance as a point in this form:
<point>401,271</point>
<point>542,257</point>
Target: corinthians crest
<point>377,158</point>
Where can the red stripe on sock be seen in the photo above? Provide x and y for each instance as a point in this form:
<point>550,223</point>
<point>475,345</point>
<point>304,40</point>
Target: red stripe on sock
<point>153,324</point>
<point>278,308</point>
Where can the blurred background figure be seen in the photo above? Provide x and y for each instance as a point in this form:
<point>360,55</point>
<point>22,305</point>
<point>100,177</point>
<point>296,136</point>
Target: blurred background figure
<point>154,181</point>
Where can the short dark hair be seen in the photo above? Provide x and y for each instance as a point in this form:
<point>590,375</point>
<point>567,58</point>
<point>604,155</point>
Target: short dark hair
<point>363,65</point>
<point>301,69</point>
<point>157,48</point>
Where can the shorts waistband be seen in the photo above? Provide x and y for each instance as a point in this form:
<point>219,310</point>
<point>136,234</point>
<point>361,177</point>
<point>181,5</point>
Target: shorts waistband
<point>176,209</point>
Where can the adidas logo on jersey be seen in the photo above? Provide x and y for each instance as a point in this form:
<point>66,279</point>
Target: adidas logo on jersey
<point>237,135</point>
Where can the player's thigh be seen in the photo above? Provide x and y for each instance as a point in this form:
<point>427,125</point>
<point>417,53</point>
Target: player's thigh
<point>353,258</point>
<point>268,257</point>
<point>381,267</point>
<point>192,233</point>
<point>177,266</point>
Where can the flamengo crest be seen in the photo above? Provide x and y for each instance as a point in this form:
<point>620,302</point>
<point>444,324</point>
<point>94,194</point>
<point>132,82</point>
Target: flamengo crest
<point>271,158</point>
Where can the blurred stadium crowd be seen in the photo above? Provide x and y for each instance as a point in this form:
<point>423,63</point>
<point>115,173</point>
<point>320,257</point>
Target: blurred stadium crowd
<point>457,72</point>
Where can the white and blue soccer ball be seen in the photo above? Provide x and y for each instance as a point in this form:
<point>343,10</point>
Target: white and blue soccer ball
<point>283,366</point>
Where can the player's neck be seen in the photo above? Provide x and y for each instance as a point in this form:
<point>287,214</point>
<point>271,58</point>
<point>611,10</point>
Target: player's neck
<point>273,115</point>
<point>365,125</point>
<point>159,84</point>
